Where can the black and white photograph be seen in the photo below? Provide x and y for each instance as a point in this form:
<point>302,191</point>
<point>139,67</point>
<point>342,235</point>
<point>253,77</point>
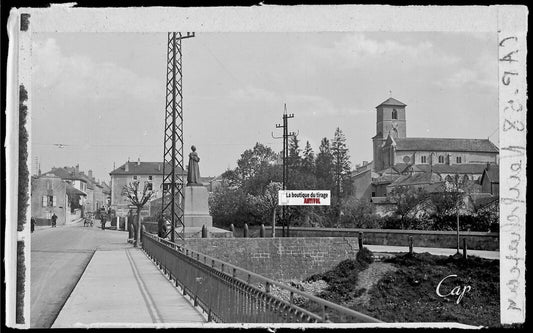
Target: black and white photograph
<point>208,174</point>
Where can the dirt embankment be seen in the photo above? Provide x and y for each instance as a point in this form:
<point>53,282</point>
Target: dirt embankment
<point>404,288</point>
<point>409,294</point>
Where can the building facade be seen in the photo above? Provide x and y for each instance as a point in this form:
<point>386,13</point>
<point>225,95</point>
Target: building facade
<point>52,195</point>
<point>86,183</point>
<point>391,145</point>
<point>149,173</point>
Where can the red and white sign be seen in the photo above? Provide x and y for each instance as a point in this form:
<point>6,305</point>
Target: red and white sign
<point>303,198</point>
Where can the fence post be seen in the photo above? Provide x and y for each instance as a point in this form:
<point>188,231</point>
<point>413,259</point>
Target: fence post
<point>204,231</point>
<point>246,230</point>
<point>360,240</point>
<point>262,231</point>
<point>232,229</point>
<point>410,244</point>
<point>464,248</point>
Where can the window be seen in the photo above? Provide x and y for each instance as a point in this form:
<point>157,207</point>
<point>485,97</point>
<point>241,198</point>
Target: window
<point>373,194</point>
<point>134,177</point>
<point>458,159</point>
<point>441,159</point>
<point>148,186</point>
<point>423,159</point>
<point>149,177</point>
<point>394,114</point>
<point>49,201</point>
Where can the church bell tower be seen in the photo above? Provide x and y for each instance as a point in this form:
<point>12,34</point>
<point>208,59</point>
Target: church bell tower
<point>390,120</point>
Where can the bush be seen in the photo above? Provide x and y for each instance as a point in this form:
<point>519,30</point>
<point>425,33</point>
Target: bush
<point>365,256</point>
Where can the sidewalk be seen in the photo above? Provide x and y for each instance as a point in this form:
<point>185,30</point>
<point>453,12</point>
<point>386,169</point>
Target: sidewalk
<point>381,249</point>
<point>121,287</point>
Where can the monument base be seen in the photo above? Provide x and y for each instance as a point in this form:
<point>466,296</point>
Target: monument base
<point>196,208</point>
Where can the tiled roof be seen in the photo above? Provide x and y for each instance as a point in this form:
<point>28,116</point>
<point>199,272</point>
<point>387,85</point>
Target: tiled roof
<point>72,190</point>
<point>68,173</point>
<point>141,168</point>
<point>392,102</point>
<point>466,168</point>
<point>383,200</point>
<point>437,187</point>
<point>416,178</point>
<point>106,188</point>
<point>445,144</point>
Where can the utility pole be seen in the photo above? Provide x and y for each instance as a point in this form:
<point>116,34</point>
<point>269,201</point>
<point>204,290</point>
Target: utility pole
<point>285,137</point>
<point>173,166</point>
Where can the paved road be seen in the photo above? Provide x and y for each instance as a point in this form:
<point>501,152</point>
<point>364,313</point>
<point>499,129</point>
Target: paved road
<point>58,258</point>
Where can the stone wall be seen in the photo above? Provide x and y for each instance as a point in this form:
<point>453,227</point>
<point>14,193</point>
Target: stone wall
<point>488,241</point>
<point>279,258</point>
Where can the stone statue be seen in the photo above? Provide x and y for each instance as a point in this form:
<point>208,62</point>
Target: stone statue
<point>193,175</point>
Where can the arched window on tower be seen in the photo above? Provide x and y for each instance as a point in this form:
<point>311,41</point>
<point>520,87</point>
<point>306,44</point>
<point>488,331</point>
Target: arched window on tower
<point>394,114</point>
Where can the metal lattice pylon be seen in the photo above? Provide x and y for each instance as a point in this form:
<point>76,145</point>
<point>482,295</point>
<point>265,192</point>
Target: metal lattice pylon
<point>173,166</point>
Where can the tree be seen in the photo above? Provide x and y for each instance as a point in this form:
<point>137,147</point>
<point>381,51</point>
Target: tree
<point>341,167</point>
<point>308,160</point>
<point>457,188</point>
<point>256,168</point>
<point>407,200</point>
<point>295,159</point>
<point>324,166</point>
<point>269,202</point>
<point>138,199</point>
<point>358,214</point>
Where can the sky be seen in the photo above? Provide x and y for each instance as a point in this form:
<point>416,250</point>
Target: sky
<point>102,95</point>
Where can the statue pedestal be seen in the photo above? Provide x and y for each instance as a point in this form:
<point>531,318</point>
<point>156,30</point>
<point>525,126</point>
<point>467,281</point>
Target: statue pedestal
<point>196,208</point>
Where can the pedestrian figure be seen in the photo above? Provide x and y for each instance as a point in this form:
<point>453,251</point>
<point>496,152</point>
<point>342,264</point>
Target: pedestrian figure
<point>54,220</point>
<point>102,221</point>
<point>32,224</point>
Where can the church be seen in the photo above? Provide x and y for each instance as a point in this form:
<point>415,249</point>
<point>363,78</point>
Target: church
<point>401,160</point>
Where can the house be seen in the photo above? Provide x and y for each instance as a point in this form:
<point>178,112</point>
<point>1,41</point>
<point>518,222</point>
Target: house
<point>106,191</point>
<point>147,173</point>
<point>86,183</point>
<point>490,180</point>
<point>52,195</point>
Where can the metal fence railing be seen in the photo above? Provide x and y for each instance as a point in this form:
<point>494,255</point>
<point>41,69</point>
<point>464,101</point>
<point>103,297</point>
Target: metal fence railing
<point>230,294</point>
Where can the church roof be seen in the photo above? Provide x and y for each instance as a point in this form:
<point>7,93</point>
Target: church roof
<point>140,168</point>
<point>445,144</point>
<point>392,102</point>
<point>463,168</point>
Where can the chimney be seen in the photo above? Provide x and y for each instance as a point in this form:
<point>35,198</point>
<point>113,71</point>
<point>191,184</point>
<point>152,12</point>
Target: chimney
<point>158,166</point>
<point>77,168</point>
<point>365,163</point>
<point>127,167</point>
<point>138,161</point>
<point>90,172</point>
